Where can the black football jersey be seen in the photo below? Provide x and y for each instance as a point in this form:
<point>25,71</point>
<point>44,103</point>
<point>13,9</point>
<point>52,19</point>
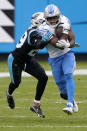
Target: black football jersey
<point>24,49</point>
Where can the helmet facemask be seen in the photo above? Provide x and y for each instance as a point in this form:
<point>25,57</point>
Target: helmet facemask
<point>52,21</point>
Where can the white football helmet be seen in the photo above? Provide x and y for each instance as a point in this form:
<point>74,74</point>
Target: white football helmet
<point>37,19</point>
<point>52,15</point>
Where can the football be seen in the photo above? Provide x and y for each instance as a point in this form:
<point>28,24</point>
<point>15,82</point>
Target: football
<point>59,31</point>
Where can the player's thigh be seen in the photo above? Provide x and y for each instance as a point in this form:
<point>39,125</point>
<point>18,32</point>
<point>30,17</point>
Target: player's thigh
<point>14,70</point>
<point>68,63</point>
<point>34,69</point>
<point>56,66</point>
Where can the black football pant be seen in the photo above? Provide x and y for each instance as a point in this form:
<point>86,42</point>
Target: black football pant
<point>31,67</point>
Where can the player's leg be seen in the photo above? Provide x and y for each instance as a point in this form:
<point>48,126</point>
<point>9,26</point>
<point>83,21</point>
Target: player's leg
<point>34,69</point>
<point>63,90</point>
<point>68,65</point>
<point>38,72</point>
<point>56,66</point>
<point>15,74</point>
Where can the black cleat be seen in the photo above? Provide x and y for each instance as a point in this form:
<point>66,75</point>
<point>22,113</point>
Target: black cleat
<point>10,100</point>
<point>37,110</point>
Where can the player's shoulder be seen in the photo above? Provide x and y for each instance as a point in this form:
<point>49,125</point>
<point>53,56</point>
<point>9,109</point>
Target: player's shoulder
<point>64,19</point>
<point>31,29</point>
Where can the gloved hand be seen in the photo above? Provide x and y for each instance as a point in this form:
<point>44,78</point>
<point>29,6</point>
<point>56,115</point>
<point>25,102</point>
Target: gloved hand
<point>63,44</point>
<point>46,36</point>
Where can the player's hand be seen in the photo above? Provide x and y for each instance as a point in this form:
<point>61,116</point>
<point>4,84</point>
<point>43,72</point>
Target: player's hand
<point>77,45</point>
<point>73,44</point>
<point>47,35</point>
<point>62,44</point>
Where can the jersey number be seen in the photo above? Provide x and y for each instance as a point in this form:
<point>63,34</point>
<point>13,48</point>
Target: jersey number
<point>22,40</point>
<point>32,52</point>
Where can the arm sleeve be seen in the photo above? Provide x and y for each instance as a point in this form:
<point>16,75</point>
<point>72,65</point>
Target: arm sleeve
<point>38,41</point>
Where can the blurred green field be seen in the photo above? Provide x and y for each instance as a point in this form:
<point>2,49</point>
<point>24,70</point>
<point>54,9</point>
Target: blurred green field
<point>22,119</point>
<point>44,64</point>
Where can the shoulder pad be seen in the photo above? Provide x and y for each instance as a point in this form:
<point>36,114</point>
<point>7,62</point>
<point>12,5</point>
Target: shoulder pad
<point>64,19</point>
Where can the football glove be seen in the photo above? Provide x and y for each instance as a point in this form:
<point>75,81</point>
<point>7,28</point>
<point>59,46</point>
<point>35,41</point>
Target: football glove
<point>46,36</point>
<point>63,44</point>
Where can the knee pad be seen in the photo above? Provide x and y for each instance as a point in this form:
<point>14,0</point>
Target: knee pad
<point>64,96</point>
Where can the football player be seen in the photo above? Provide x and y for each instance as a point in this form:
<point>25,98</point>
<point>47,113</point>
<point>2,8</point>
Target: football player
<point>20,59</point>
<point>61,58</point>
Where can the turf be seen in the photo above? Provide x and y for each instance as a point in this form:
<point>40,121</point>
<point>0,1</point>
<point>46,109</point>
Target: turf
<point>44,64</point>
<point>22,119</point>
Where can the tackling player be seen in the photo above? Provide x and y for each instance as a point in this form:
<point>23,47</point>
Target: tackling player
<point>20,59</point>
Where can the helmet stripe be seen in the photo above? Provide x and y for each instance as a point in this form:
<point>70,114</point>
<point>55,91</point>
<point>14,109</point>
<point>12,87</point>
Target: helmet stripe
<point>50,9</point>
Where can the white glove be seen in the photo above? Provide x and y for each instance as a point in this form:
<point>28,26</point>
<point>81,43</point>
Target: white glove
<point>63,43</point>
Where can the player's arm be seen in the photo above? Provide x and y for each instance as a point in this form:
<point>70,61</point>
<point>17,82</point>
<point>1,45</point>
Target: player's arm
<point>54,42</point>
<point>64,38</point>
<point>71,38</point>
<point>65,33</point>
<point>60,40</point>
<point>38,41</point>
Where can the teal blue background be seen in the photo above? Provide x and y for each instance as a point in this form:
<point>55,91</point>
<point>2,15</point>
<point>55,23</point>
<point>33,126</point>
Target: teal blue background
<point>75,10</point>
